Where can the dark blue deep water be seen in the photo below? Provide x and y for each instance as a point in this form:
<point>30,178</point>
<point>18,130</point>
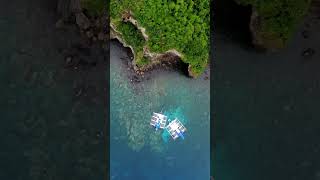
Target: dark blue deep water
<point>266,124</point>
<point>137,150</point>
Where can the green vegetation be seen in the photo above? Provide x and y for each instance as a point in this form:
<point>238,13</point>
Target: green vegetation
<point>142,62</point>
<point>279,17</point>
<point>134,38</point>
<point>170,24</point>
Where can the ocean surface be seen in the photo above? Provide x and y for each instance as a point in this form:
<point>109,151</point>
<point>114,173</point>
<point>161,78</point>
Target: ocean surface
<point>139,152</point>
<point>52,117</point>
<point>266,124</point>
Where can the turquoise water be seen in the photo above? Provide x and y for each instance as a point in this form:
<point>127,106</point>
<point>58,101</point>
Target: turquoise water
<point>140,152</point>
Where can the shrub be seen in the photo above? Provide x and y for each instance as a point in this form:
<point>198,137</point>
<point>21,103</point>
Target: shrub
<point>279,17</point>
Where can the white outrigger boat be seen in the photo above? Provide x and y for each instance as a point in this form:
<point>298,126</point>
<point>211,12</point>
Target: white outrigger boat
<point>158,121</point>
<point>176,129</point>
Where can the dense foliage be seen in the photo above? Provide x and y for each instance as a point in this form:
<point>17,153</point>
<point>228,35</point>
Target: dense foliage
<point>279,17</point>
<point>135,39</point>
<point>170,24</point>
<point>95,7</point>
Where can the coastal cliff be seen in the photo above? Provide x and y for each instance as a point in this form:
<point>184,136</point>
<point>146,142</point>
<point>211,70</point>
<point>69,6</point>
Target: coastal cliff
<point>158,31</point>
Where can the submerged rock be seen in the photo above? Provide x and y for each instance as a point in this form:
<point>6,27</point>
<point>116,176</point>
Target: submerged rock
<point>82,21</point>
<point>308,53</point>
<point>305,34</point>
<point>60,24</point>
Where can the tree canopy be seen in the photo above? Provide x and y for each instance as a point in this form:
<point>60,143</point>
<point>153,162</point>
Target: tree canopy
<point>182,25</point>
<point>279,17</point>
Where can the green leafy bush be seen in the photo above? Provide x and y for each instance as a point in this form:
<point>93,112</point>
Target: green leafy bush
<point>279,17</point>
<point>170,24</point>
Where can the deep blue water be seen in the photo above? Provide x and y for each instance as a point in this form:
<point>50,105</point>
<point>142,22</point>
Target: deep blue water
<point>137,151</point>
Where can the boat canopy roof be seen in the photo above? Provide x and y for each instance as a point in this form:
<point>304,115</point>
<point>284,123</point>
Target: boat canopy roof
<point>160,119</point>
<point>175,127</point>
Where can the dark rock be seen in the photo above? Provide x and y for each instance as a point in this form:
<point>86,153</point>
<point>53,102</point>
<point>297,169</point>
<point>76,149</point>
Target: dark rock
<point>82,21</point>
<point>60,24</point>
<point>305,34</point>
<point>101,36</point>
<point>68,61</point>
<point>89,34</point>
<point>308,53</point>
<point>135,79</point>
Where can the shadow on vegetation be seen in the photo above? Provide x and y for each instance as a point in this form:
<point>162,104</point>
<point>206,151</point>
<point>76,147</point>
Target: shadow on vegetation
<point>232,20</point>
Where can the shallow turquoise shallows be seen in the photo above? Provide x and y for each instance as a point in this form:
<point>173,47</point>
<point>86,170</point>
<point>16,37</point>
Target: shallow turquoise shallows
<point>138,152</point>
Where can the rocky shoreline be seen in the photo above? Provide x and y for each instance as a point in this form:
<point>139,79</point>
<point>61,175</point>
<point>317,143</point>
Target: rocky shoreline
<point>170,58</point>
<point>140,76</point>
<point>95,29</point>
<point>162,31</point>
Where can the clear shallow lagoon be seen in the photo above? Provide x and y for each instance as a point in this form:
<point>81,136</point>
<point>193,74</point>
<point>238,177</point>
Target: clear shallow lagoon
<point>137,151</point>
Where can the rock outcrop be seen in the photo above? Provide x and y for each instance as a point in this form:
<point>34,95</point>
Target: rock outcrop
<point>82,21</point>
<point>273,23</point>
<point>262,39</point>
<point>171,56</point>
<point>155,59</point>
<point>94,28</point>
